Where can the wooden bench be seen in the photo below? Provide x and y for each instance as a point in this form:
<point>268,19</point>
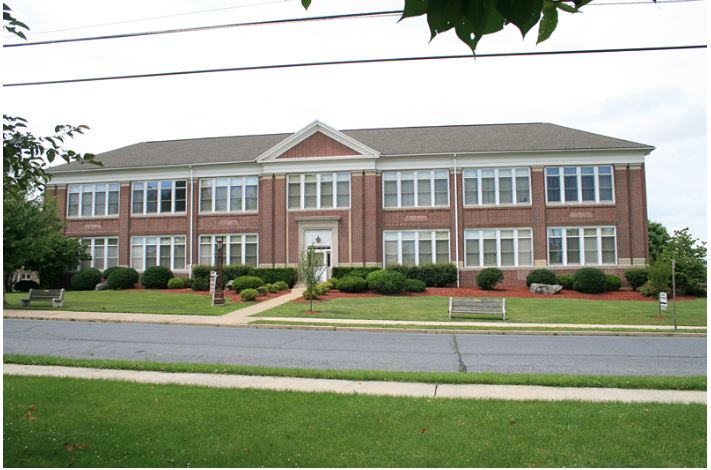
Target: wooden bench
<point>55,295</point>
<point>477,306</point>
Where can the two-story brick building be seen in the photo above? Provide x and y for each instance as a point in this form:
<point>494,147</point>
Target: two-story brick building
<point>516,196</point>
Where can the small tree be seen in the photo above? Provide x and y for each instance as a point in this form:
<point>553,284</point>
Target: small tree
<point>690,257</point>
<point>658,237</point>
<point>310,272</point>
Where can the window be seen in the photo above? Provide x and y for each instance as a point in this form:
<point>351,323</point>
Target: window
<point>416,188</point>
<point>579,184</point>
<point>582,246</point>
<point>237,249</point>
<point>416,247</point>
<point>319,191</point>
<point>229,194</point>
<point>497,186</point>
<point>93,200</point>
<point>158,197</point>
<point>167,251</point>
<point>498,247</point>
<point>103,252</point>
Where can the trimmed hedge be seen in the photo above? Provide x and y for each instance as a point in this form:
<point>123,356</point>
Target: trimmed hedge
<point>488,278</point>
<point>272,275</point>
<point>414,285</point>
<point>636,277</point>
<point>176,283</point>
<point>200,284</point>
<point>433,275</point>
<point>281,285</point>
<point>590,281</point>
<point>248,295</point>
<point>25,286</point>
<point>341,272</point>
<point>86,279</point>
<point>352,284</point>
<point>107,272</point>
<point>541,276</point>
<point>566,280</point>
<point>386,281</point>
<point>263,290</point>
<point>121,278</point>
<point>246,282</point>
<point>233,271</point>
<point>613,282</point>
<point>201,274</point>
<point>156,277</point>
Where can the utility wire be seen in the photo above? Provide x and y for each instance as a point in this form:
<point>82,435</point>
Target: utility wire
<point>269,22</point>
<point>354,62</point>
<point>213,27</point>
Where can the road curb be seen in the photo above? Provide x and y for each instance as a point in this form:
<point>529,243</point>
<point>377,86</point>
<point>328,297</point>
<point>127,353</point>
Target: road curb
<point>287,326</point>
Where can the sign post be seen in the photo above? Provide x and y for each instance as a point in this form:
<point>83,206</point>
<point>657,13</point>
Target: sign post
<point>674,291</point>
<point>218,295</point>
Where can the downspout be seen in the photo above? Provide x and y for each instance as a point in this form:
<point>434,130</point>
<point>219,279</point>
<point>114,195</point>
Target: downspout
<point>192,218</point>
<point>456,215</point>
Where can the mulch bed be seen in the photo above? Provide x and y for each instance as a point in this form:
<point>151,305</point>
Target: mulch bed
<point>519,292</point>
<point>229,294</point>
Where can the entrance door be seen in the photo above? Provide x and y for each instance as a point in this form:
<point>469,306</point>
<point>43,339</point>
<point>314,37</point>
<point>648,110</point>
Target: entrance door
<point>321,241</point>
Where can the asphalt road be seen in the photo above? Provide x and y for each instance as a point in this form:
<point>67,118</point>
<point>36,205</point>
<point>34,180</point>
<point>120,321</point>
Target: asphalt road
<point>604,355</point>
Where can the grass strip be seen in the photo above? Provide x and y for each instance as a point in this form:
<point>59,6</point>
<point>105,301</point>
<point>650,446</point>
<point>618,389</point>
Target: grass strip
<point>454,326</point>
<point>553,380</point>
<point>56,422</point>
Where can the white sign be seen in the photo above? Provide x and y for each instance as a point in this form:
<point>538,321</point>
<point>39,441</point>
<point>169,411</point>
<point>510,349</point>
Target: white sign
<point>213,281</point>
<point>663,301</point>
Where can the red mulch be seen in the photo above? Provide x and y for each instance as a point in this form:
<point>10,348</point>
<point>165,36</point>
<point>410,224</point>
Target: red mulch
<point>521,292</point>
<point>229,294</point>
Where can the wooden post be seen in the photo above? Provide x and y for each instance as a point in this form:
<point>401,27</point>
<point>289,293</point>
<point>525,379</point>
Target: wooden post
<point>219,297</point>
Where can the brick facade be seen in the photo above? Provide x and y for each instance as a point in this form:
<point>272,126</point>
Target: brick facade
<point>359,228</point>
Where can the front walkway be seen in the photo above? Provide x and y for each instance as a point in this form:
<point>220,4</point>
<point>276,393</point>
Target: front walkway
<point>400,389</point>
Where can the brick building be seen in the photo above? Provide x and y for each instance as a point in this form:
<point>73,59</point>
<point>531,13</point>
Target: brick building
<point>516,196</point>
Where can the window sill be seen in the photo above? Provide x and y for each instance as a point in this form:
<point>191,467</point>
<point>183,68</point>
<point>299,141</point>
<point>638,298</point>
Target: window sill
<point>228,213</point>
<point>160,214</point>
<point>500,206</point>
<point>580,266</point>
<point>418,208</point>
<point>98,217</point>
<point>312,209</point>
<point>579,204</point>
<point>503,268</point>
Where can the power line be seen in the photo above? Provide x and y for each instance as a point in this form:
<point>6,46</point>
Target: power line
<point>213,27</point>
<point>267,22</point>
<point>354,62</point>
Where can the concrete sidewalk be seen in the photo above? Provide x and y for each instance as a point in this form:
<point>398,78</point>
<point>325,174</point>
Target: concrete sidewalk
<point>380,388</point>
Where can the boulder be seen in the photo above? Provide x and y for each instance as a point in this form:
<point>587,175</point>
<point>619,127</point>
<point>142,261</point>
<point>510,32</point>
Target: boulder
<point>103,285</point>
<point>545,289</point>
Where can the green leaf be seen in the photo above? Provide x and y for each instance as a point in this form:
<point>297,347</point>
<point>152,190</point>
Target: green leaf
<point>484,17</point>
<point>523,13</point>
<point>443,15</point>
<point>548,22</point>
<point>565,7</point>
<point>306,4</point>
<point>414,8</point>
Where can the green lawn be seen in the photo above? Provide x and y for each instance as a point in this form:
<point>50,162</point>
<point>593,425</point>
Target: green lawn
<point>519,310</point>
<point>132,301</point>
<point>81,423</point>
<point>551,380</point>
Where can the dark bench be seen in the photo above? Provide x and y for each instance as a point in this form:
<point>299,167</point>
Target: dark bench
<point>477,306</point>
<point>55,295</point>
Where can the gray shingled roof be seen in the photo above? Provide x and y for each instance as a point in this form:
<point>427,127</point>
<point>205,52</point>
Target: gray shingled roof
<point>388,141</point>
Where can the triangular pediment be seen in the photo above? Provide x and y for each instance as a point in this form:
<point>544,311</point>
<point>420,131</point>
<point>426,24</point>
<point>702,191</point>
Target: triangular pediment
<point>318,140</point>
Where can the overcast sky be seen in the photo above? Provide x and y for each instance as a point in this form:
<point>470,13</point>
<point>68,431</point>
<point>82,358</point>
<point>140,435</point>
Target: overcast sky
<point>656,98</point>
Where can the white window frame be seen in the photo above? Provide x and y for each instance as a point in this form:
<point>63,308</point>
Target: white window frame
<point>581,245</point>
<point>334,182</point>
<point>230,179</point>
<point>159,209</point>
<point>172,238</point>
<point>469,235</point>
<point>433,239</point>
<point>92,246</point>
<point>80,191</point>
<point>416,175</point>
<point>227,247</point>
<point>469,173</point>
<point>578,174</point>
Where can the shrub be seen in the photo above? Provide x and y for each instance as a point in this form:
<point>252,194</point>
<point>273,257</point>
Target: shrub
<point>613,282</point>
<point>86,279</point>
<point>246,282</point>
<point>541,276</point>
<point>488,278</point>
<point>200,283</point>
<point>176,283</point>
<point>122,278</point>
<point>25,286</point>
<point>352,284</point>
<point>636,277</point>
<point>414,285</point>
<point>590,281</point>
<point>248,295</point>
<point>107,272</point>
<point>233,271</point>
<point>437,275</point>
<point>156,277</point>
<point>263,290</point>
<point>281,285</point>
<point>648,290</point>
<point>309,295</point>
<point>340,272</point>
<point>659,277</point>
<point>272,288</point>
<point>321,289</point>
<point>187,281</point>
<point>272,275</point>
<point>386,282</point>
<point>566,280</point>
